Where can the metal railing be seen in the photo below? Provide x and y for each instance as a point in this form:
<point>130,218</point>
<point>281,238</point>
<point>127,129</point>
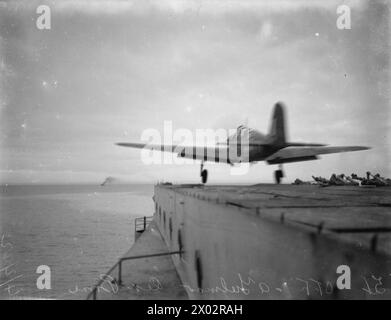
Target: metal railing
<point>93,293</point>
<point>141,224</point>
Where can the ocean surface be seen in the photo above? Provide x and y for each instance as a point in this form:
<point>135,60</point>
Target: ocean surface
<point>78,231</point>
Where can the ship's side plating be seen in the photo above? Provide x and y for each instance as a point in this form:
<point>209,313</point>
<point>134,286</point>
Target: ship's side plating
<point>236,252</point>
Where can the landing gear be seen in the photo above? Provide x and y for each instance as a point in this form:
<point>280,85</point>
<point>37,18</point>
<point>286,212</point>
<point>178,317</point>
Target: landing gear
<point>204,173</point>
<point>278,174</point>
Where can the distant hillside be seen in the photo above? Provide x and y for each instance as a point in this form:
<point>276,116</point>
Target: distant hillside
<point>109,180</point>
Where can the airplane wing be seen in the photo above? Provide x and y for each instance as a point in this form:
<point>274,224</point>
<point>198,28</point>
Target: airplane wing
<point>213,154</point>
<point>157,147</point>
<point>296,154</point>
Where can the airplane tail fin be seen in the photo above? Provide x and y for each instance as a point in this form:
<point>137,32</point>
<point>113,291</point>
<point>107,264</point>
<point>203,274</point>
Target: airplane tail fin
<point>277,128</point>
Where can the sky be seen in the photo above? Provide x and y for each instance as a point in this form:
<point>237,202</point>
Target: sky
<point>108,70</point>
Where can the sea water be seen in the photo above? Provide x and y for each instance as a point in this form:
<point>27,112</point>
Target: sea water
<point>78,231</point>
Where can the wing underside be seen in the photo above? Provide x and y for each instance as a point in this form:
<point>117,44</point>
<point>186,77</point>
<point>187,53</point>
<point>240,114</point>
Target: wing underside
<point>213,154</point>
<point>224,154</point>
<point>296,154</point>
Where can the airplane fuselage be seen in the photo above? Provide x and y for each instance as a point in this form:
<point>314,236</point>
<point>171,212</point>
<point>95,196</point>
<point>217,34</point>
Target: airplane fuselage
<point>250,145</point>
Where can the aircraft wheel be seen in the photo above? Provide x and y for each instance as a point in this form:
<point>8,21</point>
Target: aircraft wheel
<point>278,174</point>
<point>204,176</point>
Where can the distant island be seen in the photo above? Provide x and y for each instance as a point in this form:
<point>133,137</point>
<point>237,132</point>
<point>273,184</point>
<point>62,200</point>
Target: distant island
<point>108,180</point>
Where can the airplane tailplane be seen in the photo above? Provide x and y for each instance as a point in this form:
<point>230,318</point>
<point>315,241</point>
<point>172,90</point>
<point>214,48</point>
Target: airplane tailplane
<point>277,128</point>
